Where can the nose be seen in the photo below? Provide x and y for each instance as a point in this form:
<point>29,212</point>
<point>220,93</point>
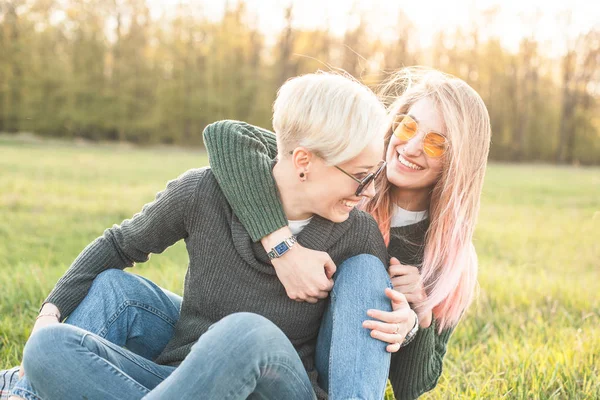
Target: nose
<point>369,191</point>
<point>413,145</point>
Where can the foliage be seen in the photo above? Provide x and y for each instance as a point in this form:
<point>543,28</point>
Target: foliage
<point>110,70</point>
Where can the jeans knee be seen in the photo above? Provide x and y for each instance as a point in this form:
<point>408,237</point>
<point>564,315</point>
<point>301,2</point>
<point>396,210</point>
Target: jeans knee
<point>44,347</point>
<point>112,278</point>
<point>363,271</point>
<point>256,333</point>
<point>248,322</point>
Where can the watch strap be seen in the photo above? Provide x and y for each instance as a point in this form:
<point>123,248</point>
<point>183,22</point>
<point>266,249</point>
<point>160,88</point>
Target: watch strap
<point>410,336</point>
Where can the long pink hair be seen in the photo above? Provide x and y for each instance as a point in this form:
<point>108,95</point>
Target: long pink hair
<point>449,268</point>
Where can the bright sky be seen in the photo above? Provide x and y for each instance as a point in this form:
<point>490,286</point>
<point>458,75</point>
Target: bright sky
<point>515,18</point>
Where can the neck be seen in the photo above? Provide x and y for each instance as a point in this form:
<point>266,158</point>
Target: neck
<point>292,192</point>
<point>412,199</point>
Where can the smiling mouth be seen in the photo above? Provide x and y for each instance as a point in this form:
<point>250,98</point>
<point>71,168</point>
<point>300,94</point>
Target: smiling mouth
<point>408,164</point>
<point>350,204</point>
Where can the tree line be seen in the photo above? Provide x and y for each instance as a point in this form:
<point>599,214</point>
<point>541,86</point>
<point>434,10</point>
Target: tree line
<point>109,70</point>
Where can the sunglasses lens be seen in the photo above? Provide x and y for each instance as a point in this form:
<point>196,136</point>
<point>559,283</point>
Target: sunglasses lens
<point>405,128</point>
<point>434,144</point>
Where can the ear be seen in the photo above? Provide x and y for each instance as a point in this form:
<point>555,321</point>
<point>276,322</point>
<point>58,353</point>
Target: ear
<point>302,159</point>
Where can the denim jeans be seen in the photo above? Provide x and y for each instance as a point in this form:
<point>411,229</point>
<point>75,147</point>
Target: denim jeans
<point>122,309</point>
<point>352,364</point>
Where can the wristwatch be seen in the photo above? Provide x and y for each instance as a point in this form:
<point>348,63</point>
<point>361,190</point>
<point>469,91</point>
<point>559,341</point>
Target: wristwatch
<point>410,336</point>
<point>282,247</point>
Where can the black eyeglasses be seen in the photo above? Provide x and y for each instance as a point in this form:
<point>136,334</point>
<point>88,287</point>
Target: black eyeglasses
<point>364,182</point>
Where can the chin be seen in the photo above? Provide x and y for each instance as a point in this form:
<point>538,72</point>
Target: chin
<point>336,216</point>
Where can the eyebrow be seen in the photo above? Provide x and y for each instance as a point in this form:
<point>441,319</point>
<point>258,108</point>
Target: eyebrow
<point>413,117</point>
<point>431,130</point>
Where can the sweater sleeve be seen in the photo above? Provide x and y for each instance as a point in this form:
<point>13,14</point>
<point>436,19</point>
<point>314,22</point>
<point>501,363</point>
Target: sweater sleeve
<point>416,368</point>
<point>241,157</point>
<point>157,226</point>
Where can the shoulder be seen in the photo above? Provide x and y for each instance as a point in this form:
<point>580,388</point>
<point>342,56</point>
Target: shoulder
<point>196,182</point>
<point>192,178</point>
<point>361,220</point>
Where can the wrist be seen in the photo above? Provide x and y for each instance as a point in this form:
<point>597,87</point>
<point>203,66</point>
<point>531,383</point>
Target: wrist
<point>48,310</point>
<point>410,336</point>
<point>425,319</point>
<point>276,237</point>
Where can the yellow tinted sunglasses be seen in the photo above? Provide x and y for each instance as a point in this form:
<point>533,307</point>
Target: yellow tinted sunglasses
<point>434,143</point>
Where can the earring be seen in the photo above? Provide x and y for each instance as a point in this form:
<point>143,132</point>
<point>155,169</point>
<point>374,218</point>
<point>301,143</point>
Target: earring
<point>301,174</point>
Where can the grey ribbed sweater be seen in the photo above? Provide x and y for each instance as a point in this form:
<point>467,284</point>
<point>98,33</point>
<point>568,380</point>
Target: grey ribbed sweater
<point>227,271</point>
<point>240,155</point>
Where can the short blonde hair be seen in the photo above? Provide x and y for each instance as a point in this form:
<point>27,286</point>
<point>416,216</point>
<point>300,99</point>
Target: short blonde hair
<point>330,114</point>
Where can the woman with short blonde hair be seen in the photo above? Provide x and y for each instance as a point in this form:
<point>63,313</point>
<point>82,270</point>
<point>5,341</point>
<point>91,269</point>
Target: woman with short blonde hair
<point>235,333</point>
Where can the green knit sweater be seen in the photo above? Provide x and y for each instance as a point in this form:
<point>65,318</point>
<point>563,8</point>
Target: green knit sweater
<point>241,156</point>
<point>227,273</point>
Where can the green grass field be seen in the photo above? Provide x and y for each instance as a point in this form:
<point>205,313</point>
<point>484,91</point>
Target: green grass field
<point>534,332</point>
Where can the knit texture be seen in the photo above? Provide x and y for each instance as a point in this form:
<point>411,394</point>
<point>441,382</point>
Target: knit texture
<point>424,356</point>
<point>247,158</point>
<point>241,156</point>
<point>227,271</point>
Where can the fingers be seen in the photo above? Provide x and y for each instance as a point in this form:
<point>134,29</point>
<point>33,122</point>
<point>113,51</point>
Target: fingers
<point>393,348</point>
<point>382,327</point>
<point>398,316</point>
<point>416,297</point>
<point>391,338</point>
<point>400,284</point>
<point>330,267</point>
<point>312,296</point>
<point>400,269</point>
<point>406,280</point>
<point>398,299</point>
<point>394,261</point>
<point>311,300</point>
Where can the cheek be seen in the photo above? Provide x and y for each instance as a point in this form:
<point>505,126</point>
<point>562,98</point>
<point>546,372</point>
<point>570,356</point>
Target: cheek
<point>328,192</point>
<point>436,165</point>
<point>390,152</point>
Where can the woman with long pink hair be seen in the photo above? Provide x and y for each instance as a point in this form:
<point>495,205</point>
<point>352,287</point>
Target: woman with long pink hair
<point>426,208</point>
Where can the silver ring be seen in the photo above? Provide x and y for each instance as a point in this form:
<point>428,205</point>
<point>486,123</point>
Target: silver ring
<point>397,329</point>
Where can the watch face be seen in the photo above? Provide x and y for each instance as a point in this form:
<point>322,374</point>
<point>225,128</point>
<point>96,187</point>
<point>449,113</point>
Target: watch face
<point>281,248</point>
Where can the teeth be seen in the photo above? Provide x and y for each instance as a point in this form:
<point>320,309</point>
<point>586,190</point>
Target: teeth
<point>407,163</point>
<point>349,203</point>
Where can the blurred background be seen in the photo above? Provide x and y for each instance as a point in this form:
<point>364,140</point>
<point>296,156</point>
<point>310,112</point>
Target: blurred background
<point>158,71</point>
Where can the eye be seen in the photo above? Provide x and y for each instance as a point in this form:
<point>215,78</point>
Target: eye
<point>361,176</point>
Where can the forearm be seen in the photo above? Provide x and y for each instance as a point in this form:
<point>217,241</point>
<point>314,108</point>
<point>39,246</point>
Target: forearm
<point>241,157</point>
<point>73,286</point>
<point>157,226</point>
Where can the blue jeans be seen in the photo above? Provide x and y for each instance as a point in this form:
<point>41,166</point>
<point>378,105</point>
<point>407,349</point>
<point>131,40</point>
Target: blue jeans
<point>128,310</point>
<point>352,364</point>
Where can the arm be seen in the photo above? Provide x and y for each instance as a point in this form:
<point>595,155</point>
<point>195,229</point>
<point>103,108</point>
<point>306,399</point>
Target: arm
<point>160,224</point>
<point>241,157</point>
<point>416,368</point>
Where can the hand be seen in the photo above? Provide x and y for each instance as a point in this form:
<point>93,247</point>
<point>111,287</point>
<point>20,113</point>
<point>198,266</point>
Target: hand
<point>395,325</point>
<point>407,280</point>
<point>305,274</point>
<point>42,322</point>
